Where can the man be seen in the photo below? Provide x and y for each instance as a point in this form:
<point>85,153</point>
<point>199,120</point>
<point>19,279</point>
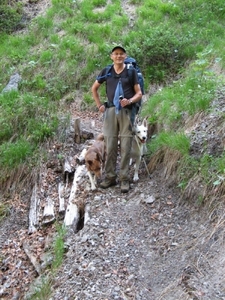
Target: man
<point>122,93</point>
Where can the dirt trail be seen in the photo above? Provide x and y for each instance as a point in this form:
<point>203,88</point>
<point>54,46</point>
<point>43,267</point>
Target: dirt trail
<point>144,246</point>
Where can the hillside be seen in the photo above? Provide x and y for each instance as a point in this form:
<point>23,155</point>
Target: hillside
<point>157,242</point>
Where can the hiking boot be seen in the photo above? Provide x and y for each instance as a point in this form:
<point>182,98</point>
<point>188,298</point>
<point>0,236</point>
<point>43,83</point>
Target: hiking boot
<point>107,183</point>
<point>125,186</point>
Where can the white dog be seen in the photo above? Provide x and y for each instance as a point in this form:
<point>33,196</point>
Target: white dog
<point>138,146</point>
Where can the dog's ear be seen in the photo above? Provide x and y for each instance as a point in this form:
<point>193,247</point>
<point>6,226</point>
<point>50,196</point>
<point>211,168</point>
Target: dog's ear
<point>90,162</point>
<point>144,122</point>
<point>137,120</point>
<point>99,157</point>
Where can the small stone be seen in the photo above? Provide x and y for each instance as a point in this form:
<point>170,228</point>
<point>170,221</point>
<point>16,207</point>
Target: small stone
<point>149,200</point>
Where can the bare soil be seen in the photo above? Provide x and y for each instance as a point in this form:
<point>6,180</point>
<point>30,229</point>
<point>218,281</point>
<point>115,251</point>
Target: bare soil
<point>149,244</point>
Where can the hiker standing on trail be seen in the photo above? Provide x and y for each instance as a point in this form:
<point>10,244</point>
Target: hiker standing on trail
<point>121,95</point>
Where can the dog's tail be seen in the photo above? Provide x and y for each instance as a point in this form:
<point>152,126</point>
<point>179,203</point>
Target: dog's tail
<point>100,137</point>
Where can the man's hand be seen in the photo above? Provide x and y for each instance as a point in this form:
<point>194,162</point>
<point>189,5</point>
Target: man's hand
<point>124,102</point>
<point>101,108</point>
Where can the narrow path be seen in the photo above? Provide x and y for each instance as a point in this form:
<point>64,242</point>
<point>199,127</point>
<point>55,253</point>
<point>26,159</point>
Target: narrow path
<point>144,246</point>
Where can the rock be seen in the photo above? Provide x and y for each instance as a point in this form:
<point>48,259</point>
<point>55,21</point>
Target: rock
<point>13,83</point>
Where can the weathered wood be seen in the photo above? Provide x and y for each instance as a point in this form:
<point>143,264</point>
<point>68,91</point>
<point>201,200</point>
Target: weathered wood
<point>33,213</point>
<point>68,166</point>
<point>77,137</point>
<point>87,135</point>
<point>86,214</point>
<point>81,158</point>
<point>72,211</point>
<point>61,199</point>
<point>32,258</point>
<point>68,169</point>
<point>48,214</point>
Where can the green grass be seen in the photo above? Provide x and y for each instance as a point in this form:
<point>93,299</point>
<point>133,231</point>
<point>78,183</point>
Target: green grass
<point>25,124</point>
<point>13,154</point>
<point>176,43</point>
<point>191,95</point>
<point>171,140</point>
<point>210,169</point>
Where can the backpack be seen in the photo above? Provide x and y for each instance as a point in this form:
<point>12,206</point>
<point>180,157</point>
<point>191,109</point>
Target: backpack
<point>132,64</point>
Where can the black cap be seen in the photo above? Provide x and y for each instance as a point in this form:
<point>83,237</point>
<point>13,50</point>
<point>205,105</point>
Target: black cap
<point>118,47</point>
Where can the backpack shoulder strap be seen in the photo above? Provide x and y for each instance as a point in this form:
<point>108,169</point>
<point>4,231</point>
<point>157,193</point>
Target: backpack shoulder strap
<point>108,70</point>
<point>131,70</point>
<point>107,73</point>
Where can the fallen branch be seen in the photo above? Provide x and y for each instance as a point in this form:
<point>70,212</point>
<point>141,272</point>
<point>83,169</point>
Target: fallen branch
<point>72,211</point>
<point>80,159</point>
<point>49,215</point>
<point>68,170</point>
<point>61,199</point>
<point>33,214</point>
<point>77,137</point>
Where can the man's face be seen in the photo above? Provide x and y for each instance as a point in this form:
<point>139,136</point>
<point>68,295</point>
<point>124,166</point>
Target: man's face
<point>118,56</point>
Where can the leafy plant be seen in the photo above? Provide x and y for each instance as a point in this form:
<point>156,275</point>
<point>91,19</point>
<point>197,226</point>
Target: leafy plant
<point>10,16</point>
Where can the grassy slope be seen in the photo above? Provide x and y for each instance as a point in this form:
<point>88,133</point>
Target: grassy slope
<point>175,43</point>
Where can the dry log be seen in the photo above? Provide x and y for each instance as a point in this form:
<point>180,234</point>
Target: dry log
<point>33,213</point>
<point>77,137</point>
<point>49,215</point>
<point>87,214</point>
<point>68,169</point>
<point>32,258</point>
<point>72,211</point>
<point>87,135</point>
<point>68,166</point>
<point>80,159</point>
<point>61,199</point>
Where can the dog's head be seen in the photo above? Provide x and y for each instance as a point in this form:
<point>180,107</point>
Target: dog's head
<point>100,137</point>
<point>94,164</point>
<point>141,131</point>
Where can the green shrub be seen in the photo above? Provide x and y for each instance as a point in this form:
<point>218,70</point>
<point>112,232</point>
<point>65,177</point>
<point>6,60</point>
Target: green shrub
<point>10,16</point>
<point>13,154</point>
<point>26,116</point>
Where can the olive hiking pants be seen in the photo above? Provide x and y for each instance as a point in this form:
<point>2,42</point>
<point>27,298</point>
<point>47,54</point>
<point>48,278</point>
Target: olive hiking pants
<point>117,126</point>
